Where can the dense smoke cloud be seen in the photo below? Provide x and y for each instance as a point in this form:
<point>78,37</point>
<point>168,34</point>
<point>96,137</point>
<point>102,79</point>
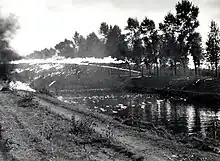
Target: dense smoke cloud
<point>8,26</point>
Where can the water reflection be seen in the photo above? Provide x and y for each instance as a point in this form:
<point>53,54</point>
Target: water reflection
<point>190,113</point>
<point>175,116</point>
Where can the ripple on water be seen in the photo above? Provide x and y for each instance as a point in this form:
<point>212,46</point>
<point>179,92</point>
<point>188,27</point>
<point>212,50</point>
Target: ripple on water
<point>175,116</point>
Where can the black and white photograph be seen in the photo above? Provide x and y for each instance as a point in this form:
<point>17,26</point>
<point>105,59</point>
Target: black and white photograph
<point>109,80</point>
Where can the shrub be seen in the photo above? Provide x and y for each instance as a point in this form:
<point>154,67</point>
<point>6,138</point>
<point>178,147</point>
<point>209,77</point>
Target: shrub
<point>45,91</point>
<point>81,126</point>
<point>27,101</point>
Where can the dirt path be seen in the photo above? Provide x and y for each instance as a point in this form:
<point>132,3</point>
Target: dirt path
<point>33,133</point>
<point>132,143</point>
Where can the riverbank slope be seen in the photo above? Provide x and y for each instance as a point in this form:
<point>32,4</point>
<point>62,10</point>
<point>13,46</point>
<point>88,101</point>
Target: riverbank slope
<point>192,88</point>
<point>40,127</point>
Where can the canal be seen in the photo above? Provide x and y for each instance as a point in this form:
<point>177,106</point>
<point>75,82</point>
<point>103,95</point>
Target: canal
<point>178,117</point>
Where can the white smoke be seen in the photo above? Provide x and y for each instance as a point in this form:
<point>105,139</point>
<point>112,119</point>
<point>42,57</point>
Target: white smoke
<point>62,60</point>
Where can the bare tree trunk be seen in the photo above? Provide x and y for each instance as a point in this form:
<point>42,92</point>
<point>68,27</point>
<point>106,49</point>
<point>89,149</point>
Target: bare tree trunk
<point>175,68</point>
<point>184,68</point>
<point>216,69</point>
<point>154,66</point>
<point>213,72</point>
<point>164,69</point>
<point>198,68</point>
<point>195,69</point>
<point>149,69</point>
<point>157,69</point>
<point>161,71</point>
<point>142,71</point>
<point>172,70</point>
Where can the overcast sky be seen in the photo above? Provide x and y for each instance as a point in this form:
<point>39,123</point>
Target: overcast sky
<point>44,23</point>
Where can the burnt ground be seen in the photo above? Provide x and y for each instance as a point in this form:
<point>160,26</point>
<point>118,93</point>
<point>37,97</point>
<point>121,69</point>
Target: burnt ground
<point>38,127</point>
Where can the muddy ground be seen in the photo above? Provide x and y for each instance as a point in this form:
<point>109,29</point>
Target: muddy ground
<point>38,127</point>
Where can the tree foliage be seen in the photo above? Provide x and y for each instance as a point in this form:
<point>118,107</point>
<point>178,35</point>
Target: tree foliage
<point>177,30</point>
<point>94,46</point>
<point>170,43</point>
<point>167,46</point>
<point>196,49</point>
<point>213,46</point>
<point>104,29</point>
<point>133,34</point>
<point>80,45</point>
<point>186,20</point>
<point>113,41</point>
<point>66,48</point>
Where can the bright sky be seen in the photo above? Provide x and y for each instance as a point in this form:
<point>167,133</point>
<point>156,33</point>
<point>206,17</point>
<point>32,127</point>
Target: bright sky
<point>44,23</point>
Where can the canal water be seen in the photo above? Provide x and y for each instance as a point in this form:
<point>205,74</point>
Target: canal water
<point>177,117</point>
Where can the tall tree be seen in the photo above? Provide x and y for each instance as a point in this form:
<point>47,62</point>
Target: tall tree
<point>169,29</point>
<point>80,44</point>
<point>213,46</point>
<point>186,21</point>
<point>163,56</point>
<point>94,46</point>
<point>155,44</point>
<point>113,42</point>
<point>66,48</point>
<point>196,50</point>
<point>104,30</point>
<point>76,38</point>
<point>134,40</point>
<point>123,48</point>
<point>148,33</point>
<point>177,29</point>
<point>133,32</point>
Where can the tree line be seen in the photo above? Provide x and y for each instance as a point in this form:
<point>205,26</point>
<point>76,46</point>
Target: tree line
<point>162,46</point>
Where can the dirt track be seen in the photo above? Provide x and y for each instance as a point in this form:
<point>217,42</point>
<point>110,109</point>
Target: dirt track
<point>43,129</point>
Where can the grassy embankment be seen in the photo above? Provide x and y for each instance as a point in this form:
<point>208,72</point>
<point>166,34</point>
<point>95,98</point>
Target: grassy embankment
<point>40,127</point>
<point>192,88</point>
